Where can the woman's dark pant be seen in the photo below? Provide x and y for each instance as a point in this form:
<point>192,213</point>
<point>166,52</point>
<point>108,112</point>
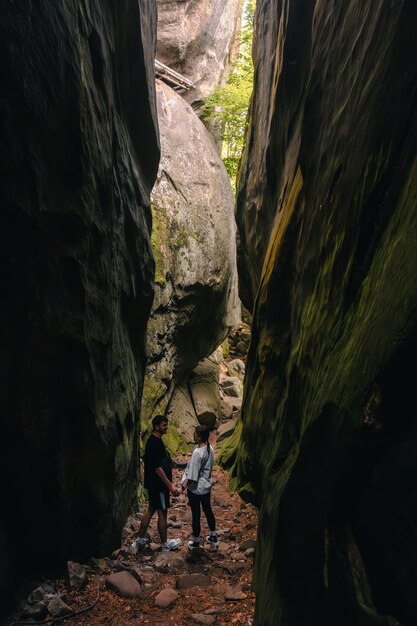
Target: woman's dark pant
<point>195,501</point>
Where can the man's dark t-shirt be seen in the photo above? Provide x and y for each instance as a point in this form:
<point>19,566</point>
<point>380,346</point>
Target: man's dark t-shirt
<point>156,456</point>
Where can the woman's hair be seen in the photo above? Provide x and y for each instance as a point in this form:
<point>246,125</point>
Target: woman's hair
<point>204,434</point>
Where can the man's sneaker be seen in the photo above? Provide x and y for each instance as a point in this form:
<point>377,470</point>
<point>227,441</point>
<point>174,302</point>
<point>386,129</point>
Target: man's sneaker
<point>171,544</point>
<point>141,543</point>
<point>192,545</point>
<point>212,539</point>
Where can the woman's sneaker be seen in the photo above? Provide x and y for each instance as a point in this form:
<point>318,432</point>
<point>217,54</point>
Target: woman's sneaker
<point>192,545</point>
<point>212,539</point>
<point>171,544</point>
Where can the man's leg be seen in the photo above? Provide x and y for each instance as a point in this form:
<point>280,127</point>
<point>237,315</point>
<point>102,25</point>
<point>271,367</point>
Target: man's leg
<point>171,544</point>
<point>162,525</point>
<point>147,516</point>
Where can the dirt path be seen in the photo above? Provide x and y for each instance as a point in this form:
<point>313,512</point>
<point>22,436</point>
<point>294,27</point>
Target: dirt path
<point>224,594</point>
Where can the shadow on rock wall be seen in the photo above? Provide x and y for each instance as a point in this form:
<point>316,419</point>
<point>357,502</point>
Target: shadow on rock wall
<point>79,157</point>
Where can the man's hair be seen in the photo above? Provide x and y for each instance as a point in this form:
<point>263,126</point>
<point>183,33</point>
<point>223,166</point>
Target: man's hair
<point>158,419</point>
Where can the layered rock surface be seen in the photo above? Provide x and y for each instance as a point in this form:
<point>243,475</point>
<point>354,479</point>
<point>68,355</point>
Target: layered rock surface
<point>196,301</point>
<point>198,39</point>
<point>328,222</point>
<point>79,157</point>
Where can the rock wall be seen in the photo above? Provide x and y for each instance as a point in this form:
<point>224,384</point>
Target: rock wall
<point>198,39</point>
<point>196,301</point>
<point>79,156</point>
<point>327,217</point>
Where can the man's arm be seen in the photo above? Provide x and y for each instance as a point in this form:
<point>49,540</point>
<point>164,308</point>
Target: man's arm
<point>160,472</point>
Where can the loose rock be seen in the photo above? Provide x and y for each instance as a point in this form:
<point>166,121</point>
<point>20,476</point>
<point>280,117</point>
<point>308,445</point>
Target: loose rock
<point>245,545</point>
<point>232,386</point>
<point>192,580</point>
<point>202,618</point>
<point>58,608</point>
<point>76,576</point>
<point>165,598</point>
<point>234,594</point>
<point>124,584</point>
<point>36,610</point>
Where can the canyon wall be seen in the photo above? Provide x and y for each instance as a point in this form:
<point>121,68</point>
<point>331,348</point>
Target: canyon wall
<point>79,157</point>
<point>327,212</point>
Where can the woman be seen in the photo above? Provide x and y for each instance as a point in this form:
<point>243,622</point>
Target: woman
<point>197,480</point>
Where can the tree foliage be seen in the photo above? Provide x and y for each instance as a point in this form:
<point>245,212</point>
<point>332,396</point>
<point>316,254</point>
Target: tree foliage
<point>227,107</point>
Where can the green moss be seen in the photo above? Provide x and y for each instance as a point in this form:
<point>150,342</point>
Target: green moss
<point>154,400</point>
<point>174,442</point>
<point>228,449</point>
<point>225,348</point>
<point>180,238</point>
<point>159,239</point>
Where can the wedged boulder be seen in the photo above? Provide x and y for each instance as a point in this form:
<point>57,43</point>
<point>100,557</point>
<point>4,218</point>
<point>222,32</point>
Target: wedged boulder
<point>199,40</point>
<point>204,389</point>
<point>207,371</point>
<point>196,302</point>
<point>181,414</point>
<point>328,224</point>
<point>206,400</point>
<point>79,158</point>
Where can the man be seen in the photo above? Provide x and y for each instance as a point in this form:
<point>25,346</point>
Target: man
<point>158,477</point>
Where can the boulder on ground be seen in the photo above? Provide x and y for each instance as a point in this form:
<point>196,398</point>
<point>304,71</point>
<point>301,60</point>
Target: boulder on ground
<point>165,598</point>
<point>203,619</point>
<point>232,386</point>
<point>226,409</point>
<point>193,580</point>
<point>124,584</point>
<point>57,607</point>
<point>35,610</point>
<point>236,368</point>
<point>235,403</point>
<point>76,577</point>
<point>234,594</point>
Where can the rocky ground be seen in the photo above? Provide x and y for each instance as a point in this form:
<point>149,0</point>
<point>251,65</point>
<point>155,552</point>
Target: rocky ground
<point>177,588</point>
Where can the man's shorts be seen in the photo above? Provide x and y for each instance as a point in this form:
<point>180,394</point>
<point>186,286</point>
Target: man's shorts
<point>159,499</point>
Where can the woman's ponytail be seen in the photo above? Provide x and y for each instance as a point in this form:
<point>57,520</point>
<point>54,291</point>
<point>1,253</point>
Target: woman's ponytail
<point>204,434</point>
